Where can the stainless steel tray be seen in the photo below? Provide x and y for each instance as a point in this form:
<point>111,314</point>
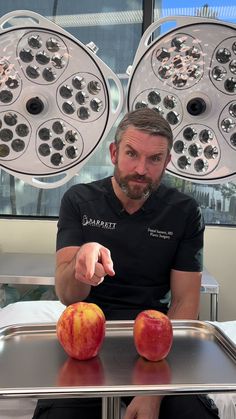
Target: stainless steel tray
<point>32,363</point>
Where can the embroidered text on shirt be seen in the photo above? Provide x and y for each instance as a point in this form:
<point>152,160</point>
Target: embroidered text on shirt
<point>154,232</point>
<point>86,221</point>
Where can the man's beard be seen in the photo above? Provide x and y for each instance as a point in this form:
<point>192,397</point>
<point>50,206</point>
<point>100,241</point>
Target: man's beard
<point>136,191</point>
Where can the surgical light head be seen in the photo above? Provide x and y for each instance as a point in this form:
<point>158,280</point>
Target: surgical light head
<point>55,100</point>
<point>188,75</point>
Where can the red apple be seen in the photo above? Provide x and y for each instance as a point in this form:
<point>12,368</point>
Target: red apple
<point>153,335</point>
<point>81,330</point>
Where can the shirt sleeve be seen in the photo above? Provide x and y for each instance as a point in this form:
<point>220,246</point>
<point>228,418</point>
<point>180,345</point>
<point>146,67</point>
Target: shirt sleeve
<point>69,227</point>
<point>189,255</point>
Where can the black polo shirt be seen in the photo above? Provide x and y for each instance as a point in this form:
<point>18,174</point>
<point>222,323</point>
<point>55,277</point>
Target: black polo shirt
<point>166,233</point>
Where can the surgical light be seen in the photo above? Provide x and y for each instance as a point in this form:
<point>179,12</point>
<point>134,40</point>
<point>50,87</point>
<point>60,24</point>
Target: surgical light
<point>58,100</point>
<point>188,75</point>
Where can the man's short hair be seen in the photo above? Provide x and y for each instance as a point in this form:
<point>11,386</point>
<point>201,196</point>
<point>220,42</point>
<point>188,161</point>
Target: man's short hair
<point>147,120</point>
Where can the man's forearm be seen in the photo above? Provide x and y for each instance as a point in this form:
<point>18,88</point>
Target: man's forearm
<point>185,295</point>
<point>183,310</point>
<point>68,289</point>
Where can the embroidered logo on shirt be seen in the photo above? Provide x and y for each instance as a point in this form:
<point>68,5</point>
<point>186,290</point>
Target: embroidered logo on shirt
<point>86,221</point>
<point>160,234</point>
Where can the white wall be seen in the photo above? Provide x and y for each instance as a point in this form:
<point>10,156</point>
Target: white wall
<point>38,236</point>
<point>33,236</point>
<point>220,261</point>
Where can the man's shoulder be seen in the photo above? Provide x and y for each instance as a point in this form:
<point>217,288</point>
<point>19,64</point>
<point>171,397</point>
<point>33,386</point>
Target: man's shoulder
<point>172,196</point>
<point>88,191</point>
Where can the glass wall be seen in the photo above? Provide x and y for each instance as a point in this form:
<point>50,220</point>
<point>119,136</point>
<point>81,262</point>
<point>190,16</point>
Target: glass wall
<point>116,28</point>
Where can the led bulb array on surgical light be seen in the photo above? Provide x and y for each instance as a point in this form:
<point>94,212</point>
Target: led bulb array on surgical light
<point>188,75</point>
<point>55,100</point>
